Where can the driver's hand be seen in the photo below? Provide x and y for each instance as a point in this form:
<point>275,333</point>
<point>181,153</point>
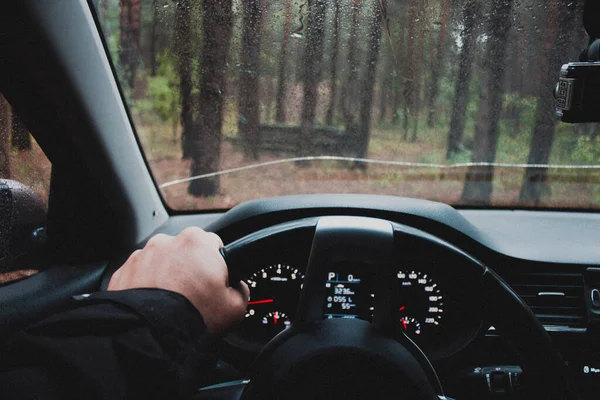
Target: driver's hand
<point>189,264</point>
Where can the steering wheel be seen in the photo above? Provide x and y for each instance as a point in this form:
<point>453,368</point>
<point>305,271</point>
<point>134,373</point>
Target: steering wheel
<point>352,358</point>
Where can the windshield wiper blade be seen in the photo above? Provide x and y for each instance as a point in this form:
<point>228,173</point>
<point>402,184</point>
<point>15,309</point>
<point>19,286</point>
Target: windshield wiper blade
<point>378,162</point>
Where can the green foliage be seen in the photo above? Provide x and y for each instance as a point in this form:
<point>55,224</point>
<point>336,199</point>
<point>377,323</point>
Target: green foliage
<point>564,145</point>
<point>431,158</point>
<point>163,89</point>
<point>587,150</point>
<point>128,95</point>
<point>529,105</point>
<point>513,148</point>
<point>232,116</point>
<point>113,46</point>
<point>460,157</point>
<point>446,96</point>
<point>526,107</point>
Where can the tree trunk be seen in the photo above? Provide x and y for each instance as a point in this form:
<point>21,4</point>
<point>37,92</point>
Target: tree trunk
<point>135,19</point>
<point>411,84</point>
<point>595,132</point>
<point>534,60</point>
<point>4,135</point>
<point>366,103</point>
<point>396,104</point>
<point>21,140</point>
<point>129,33</point>
<point>516,76</point>
<point>349,91</point>
<point>313,54</point>
<point>478,180</point>
<point>217,20</point>
<point>399,73</point>
<point>271,111</point>
<point>561,20</point>
<point>383,96</point>
<point>463,81</point>
<point>418,60</point>
<point>248,107</point>
<point>387,91</point>
<point>105,9</point>
<point>183,36</point>
<point>403,90</point>
<point>153,38</point>
<point>383,104</point>
<point>101,7</point>
<point>335,40</point>
<point>283,57</point>
<point>124,42</point>
<point>436,69</point>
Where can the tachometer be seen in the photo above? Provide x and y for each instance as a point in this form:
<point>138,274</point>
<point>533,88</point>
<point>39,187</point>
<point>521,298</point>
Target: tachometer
<point>274,292</point>
<point>421,305</point>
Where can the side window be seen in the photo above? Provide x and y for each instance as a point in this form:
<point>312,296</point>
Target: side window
<point>24,187</point>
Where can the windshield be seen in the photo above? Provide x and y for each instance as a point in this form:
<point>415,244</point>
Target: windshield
<point>447,100</point>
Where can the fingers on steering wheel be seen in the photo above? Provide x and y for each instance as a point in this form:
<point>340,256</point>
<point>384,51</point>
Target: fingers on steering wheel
<point>133,258</point>
<point>216,239</point>
<point>239,300</point>
<point>191,237</point>
<point>245,291</point>
<point>156,240</point>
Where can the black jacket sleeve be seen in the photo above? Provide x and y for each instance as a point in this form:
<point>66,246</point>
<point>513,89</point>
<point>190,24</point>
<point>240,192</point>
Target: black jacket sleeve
<point>132,344</point>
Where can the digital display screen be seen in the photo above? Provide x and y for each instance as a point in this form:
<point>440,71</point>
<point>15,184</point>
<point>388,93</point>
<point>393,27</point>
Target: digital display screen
<point>347,295</point>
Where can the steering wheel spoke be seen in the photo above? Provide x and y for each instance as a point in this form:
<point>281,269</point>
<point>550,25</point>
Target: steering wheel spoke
<point>355,246</point>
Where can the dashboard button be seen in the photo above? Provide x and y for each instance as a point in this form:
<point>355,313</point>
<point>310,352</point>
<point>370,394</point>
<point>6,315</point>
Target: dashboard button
<point>595,294</point>
<point>499,382</point>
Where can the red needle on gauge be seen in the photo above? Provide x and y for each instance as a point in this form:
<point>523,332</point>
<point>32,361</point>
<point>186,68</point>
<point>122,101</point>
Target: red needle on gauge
<point>404,324</point>
<point>265,301</point>
<point>275,318</point>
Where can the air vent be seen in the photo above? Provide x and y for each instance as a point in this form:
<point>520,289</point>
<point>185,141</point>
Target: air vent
<point>556,298</point>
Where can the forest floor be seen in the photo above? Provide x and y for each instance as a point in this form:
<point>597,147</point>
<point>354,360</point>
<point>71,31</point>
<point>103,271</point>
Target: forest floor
<point>568,189</point>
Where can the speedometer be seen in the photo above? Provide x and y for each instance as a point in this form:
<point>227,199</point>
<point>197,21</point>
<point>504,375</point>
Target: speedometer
<point>421,303</point>
<point>274,292</point>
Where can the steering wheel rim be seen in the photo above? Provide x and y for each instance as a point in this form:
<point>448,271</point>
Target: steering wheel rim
<point>542,362</point>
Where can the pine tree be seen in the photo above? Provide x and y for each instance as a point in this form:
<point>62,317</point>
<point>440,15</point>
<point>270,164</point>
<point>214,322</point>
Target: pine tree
<point>478,181</point>
<point>248,107</point>
<point>217,22</point>
<point>463,80</point>
<point>311,73</point>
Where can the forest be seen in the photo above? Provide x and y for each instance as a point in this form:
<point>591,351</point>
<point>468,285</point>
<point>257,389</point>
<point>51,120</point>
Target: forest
<point>448,100</point>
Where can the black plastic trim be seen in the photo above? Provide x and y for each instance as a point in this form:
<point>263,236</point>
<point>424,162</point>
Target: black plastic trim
<point>28,300</point>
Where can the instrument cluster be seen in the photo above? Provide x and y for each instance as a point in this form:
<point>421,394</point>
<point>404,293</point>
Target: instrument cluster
<point>427,310</point>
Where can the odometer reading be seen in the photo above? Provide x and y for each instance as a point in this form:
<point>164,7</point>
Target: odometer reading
<point>421,305</point>
<point>341,292</point>
<point>348,293</point>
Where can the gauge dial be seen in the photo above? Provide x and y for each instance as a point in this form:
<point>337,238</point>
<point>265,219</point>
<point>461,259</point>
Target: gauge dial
<point>275,321</point>
<point>274,292</point>
<point>421,301</point>
<point>411,326</point>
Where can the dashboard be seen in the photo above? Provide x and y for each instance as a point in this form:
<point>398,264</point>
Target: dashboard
<point>546,257</point>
